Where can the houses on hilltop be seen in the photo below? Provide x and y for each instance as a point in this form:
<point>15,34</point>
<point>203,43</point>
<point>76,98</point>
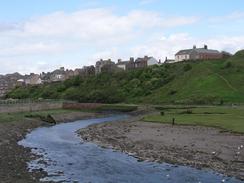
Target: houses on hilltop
<point>199,54</point>
<point>110,66</point>
<point>10,81</point>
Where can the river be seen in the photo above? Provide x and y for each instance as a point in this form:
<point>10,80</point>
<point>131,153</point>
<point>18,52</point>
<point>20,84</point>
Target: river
<point>67,159</point>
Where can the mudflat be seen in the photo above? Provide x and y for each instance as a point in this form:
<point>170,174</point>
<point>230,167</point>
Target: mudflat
<point>14,158</point>
<point>199,147</point>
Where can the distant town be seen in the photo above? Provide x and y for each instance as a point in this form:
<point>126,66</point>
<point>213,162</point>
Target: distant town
<point>10,81</point>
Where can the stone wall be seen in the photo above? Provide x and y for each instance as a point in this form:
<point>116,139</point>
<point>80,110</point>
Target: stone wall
<point>29,107</point>
<point>81,106</point>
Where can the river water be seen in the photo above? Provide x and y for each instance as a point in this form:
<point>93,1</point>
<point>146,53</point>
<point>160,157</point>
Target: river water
<point>67,159</point>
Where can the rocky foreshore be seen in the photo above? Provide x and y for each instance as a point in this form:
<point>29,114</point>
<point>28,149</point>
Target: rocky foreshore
<point>198,147</point>
<point>14,158</point>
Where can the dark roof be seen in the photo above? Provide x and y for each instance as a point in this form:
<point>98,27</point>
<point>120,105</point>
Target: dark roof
<point>122,62</point>
<point>143,59</point>
<point>197,50</point>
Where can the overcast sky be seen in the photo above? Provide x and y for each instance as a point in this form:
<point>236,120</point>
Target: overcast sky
<point>41,35</point>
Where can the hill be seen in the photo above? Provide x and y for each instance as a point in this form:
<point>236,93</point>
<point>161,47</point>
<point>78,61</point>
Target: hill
<point>192,82</point>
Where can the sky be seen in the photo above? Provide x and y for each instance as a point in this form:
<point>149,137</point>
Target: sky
<point>42,35</point>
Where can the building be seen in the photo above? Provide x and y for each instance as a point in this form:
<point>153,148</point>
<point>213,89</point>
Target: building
<point>87,71</point>
<point>126,65</point>
<point>145,62</point>
<point>197,54</point>
<point>169,61</point>
<point>110,68</point>
<point>102,63</point>
<point>4,87</point>
<point>8,82</point>
<point>56,75</point>
<point>32,79</point>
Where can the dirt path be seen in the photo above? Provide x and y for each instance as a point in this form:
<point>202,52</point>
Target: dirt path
<point>14,158</point>
<point>199,147</point>
<point>224,79</point>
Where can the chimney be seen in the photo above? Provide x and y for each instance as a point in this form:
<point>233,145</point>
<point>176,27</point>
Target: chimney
<point>194,47</point>
<point>205,47</point>
<point>61,68</point>
<point>131,59</point>
<point>166,58</point>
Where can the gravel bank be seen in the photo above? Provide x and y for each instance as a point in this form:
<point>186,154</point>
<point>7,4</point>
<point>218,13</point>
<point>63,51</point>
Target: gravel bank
<point>199,147</point>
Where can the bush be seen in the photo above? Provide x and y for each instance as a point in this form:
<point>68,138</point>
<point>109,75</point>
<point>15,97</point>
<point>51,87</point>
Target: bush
<point>162,113</point>
<point>172,92</point>
<point>187,67</point>
<point>227,65</point>
<point>188,111</point>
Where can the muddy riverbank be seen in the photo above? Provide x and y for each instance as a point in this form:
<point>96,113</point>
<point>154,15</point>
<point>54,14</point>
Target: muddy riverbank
<point>199,147</point>
<point>14,158</point>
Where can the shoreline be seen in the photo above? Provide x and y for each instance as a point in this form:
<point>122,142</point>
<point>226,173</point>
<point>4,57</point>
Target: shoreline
<point>195,146</point>
<point>14,158</point>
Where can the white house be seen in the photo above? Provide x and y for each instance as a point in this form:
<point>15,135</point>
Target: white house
<point>152,61</point>
<point>197,54</point>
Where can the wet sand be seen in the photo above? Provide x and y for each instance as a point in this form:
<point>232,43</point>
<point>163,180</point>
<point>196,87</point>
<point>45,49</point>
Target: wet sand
<point>199,147</point>
<point>14,158</point>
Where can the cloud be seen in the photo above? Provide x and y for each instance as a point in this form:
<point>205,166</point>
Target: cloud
<point>8,26</point>
<point>86,24</point>
<point>167,46</point>
<point>145,2</point>
<point>78,37</point>
<point>234,16</point>
<point>83,37</point>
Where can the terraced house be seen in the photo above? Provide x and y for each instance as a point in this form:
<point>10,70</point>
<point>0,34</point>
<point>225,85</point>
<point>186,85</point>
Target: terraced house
<point>197,54</point>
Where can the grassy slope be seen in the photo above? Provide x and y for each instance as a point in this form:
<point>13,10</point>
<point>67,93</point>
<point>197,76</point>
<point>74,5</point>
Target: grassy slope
<point>231,119</point>
<point>208,82</point>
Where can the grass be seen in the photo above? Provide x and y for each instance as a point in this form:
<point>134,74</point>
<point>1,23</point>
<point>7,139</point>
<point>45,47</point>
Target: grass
<point>10,117</point>
<point>208,82</point>
<point>226,118</point>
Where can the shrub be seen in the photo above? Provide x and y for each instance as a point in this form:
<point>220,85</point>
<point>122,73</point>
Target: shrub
<point>162,113</point>
<point>172,92</point>
<point>227,65</point>
<point>187,67</point>
<point>188,111</point>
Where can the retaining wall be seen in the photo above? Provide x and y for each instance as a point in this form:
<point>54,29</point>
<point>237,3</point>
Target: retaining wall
<point>29,107</point>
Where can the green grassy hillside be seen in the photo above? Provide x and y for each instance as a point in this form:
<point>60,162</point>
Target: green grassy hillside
<point>193,82</point>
